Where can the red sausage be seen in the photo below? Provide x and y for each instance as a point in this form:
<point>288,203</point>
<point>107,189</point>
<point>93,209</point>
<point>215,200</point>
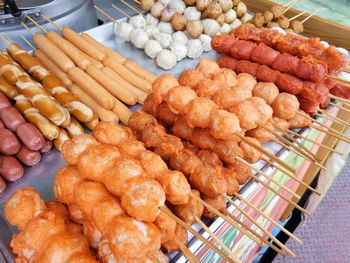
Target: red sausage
<point>2,185</point>
<point>11,118</point>
<point>47,147</point>
<point>4,102</point>
<point>9,143</point>
<point>11,169</point>
<point>28,157</point>
<point>1,125</point>
<point>30,136</point>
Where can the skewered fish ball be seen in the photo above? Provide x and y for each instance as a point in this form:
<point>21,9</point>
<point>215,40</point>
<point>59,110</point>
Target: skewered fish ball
<point>185,160</point>
<point>264,110</point>
<point>250,154</point>
<point>277,11</point>
<point>75,214</point>
<point>231,181</point>
<point>242,170</point>
<point>266,90</point>
<point>214,10</point>
<point>132,148</point>
<point>167,14</point>
<point>179,97</point>
<point>153,164</point>
<point>165,28</point>
<point>166,59</point>
<point>123,30</point>
<point>178,5</point>
<point>92,234</point>
<point>188,212</point>
<point>179,22</point>
<point>285,106</point>
<point>299,121</point>
<point>164,39</point>
<point>226,5</point>
<point>224,124</point>
<point>281,123</point>
<point>146,4</point>
<point>268,16</point>
<point>199,112</point>
<point>152,48</point>
<point>241,9</point>
<point>137,21</point>
<point>190,78</point>
<point>207,88</point>
<point>227,78</point>
<point>194,28</point>
<point>110,133</point>
<point>180,37</point>
<point>218,202</point>
<point>246,81</point>
<point>201,5</point>
<point>191,13</point>
<point>230,16</point>
<point>272,24</point>
<point>180,50</point>
<point>209,158</point>
<point>206,42</point>
<point>203,139</point>
<point>166,225</point>
<point>247,114</point>
<point>258,20</point>
<point>210,26</point>
<point>157,9</point>
<point>208,67</point>
<point>297,26</point>
<point>194,48</point>
<point>151,20</point>
<point>165,114</point>
<point>283,22</point>
<point>139,38</point>
<point>151,31</point>
<point>161,86</point>
<point>182,129</point>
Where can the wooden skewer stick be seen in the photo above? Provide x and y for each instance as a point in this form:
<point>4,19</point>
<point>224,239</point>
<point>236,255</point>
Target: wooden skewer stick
<point>296,16</point>
<point>4,39</point>
<point>51,22</point>
<point>329,133</point>
<point>290,6</point>
<point>273,190</point>
<point>121,11</point>
<point>152,257</point>
<point>137,2</point>
<point>279,243</point>
<point>36,24</point>
<point>28,43</point>
<point>347,70</point>
<point>131,7</point>
<point>289,3</point>
<point>9,38</point>
<point>225,218</point>
<point>309,16</point>
<point>340,107</point>
<point>340,121</point>
<point>107,15</point>
<point>285,146</point>
<point>217,239</point>
<point>315,142</point>
<point>292,176</point>
<point>340,79</point>
<point>271,156</point>
<point>185,250</point>
<point>275,223</point>
<point>27,28</point>
<point>339,99</point>
<point>196,234</point>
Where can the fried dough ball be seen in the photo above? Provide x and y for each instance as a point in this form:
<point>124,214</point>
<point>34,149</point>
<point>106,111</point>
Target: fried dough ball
<point>176,187</point>
<point>214,9</point>
<point>188,212</point>
<point>246,80</point>
<point>130,239</point>
<point>218,202</point>
<point>166,225</point>
<point>72,148</point>
<point>74,228</point>
<point>171,245</point>
<point>162,85</point>
<point>277,11</point>
<point>182,129</point>
<point>224,124</point>
<point>88,195</point>
<point>171,146</point>
<point>285,106</point>
<point>209,158</point>
<point>190,78</point>
<point>242,170</point>
<point>299,121</point>
<point>179,97</point>
<point>261,134</point>
<point>165,114</point>
<point>268,91</point>
<point>207,88</point>
<point>92,234</point>
<point>140,119</point>
<point>185,161</point>
<point>75,214</point>
<point>191,147</point>
<point>109,133</point>
<point>194,28</point>
<point>283,22</point>
<point>24,205</point>
<point>66,181</point>
<point>227,98</point>
<point>250,154</point>
<point>201,5</point>
<point>281,123</point>
<point>179,22</point>
<point>231,180</point>
<point>146,4</point>
<point>199,112</point>
<point>209,68</point>
<point>247,114</point>
<point>209,181</point>
<point>153,135</point>
<point>133,148</point>
<point>142,197</point>
<point>60,209</point>
<point>203,139</point>
<point>264,110</point>
<point>154,166</point>
<point>122,171</point>
<point>228,150</point>
<point>226,77</point>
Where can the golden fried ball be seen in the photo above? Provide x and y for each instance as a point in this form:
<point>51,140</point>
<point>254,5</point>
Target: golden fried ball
<point>109,133</point>
<point>297,26</point>
<point>201,5</point>
<point>268,16</point>
<point>194,28</point>
<point>214,10</point>
<point>146,4</point>
<point>258,20</point>
<point>283,22</point>
<point>277,11</point>
<point>179,22</point>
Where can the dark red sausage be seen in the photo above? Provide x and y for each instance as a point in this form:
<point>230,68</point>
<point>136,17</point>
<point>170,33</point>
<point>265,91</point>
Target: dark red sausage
<point>1,125</point>
<point>30,136</point>
<point>11,169</point>
<point>28,157</point>
<point>242,49</point>
<point>47,147</point>
<point>2,185</point>
<point>4,102</point>
<point>9,144</point>
<point>12,118</point>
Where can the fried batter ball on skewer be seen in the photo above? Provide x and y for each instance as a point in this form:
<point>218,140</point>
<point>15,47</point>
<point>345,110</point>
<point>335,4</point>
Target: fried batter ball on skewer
<point>226,77</point>
<point>199,112</point>
<point>182,129</point>
<point>281,123</point>
<point>171,245</point>
<point>250,154</point>
<point>207,88</point>
<point>92,234</point>
<point>186,161</point>
<point>299,121</point>
<point>106,132</point>
<point>162,85</point>
<point>267,91</point>
<point>132,148</point>
<point>75,214</point>
<point>261,134</point>
<point>166,225</point>
<point>208,69</point>
<point>190,78</point>
<point>170,146</point>
<point>285,106</point>
<point>178,98</point>
<point>228,98</point>
<point>247,113</point>
<point>224,125</point>
<point>154,166</point>
<point>242,170</point>
<point>218,202</point>
<point>168,117</point>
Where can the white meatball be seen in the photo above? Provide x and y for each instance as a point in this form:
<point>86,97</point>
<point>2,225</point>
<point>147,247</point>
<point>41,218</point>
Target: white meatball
<point>151,31</point>
<point>211,27</point>
<point>123,30</point>
<point>230,16</point>
<point>165,28</point>
<point>191,13</point>
<point>166,59</point>
<point>137,21</point>
<point>151,20</point>
<point>180,50</point>
<point>279,29</point>
<point>225,29</point>
<point>164,39</point>
<point>206,42</point>
<point>138,37</point>
<point>246,18</point>
<point>178,5</point>
<point>165,2</point>
<point>180,37</point>
<point>235,24</point>
<point>152,48</point>
<point>194,48</point>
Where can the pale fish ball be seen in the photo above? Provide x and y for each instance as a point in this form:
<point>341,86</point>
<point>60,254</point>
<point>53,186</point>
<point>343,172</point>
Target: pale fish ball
<point>152,48</point>
<point>139,38</point>
<point>246,18</point>
<point>225,29</point>
<point>324,43</point>
<point>151,20</point>
<point>164,39</point>
<point>342,50</point>
<point>180,37</point>
<point>206,42</point>
<point>180,50</point>
<point>178,5</point>
<point>165,28</point>
<point>279,29</point>
<point>211,27</point>
<point>137,21</point>
<point>123,30</point>
<point>230,16</point>
<point>151,31</point>
<point>165,2</point>
<point>194,48</point>
<point>166,59</point>
<point>235,24</point>
<point>191,13</point>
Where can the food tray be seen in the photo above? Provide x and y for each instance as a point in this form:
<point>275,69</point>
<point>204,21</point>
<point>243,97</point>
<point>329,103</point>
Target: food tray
<point>41,176</point>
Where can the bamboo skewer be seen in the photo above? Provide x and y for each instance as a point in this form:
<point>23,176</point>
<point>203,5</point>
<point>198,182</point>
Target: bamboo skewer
<point>52,22</point>
<point>340,107</point>
<point>131,7</point>
<point>309,16</point>
<point>279,243</point>
<point>335,119</point>
<point>152,257</point>
<point>36,24</point>
<point>28,42</point>
<point>262,213</point>
<point>328,132</point>
<point>196,234</point>
<point>340,79</point>
<point>121,11</point>
<point>296,16</point>
<point>192,258</point>
<point>27,28</point>
<point>107,15</point>
<point>137,2</point>
<point>339,98</point>
<point>290,5</point>
<point>4,39</point>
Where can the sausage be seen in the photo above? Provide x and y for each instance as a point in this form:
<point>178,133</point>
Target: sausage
<point>112,85</point>
<point>53,52</point>
<point>122,111</point>
<point>28,157</point>
<point>11,118</point>
<point>4,102</point>
<point>2,185</point>
<point>11,169</point>
<point>92,124</point>
<point>47,147</point>
<point>30,136</point>
<point>51,66</point>
<point>75,128</point>
<point>108,51</point>
<point>2,125</point>
<point>63,136</point>
<point>92,88</point>
<point>9,70</point>
<point>128,75</point>
<point>82,44</point>
<point>140,71</point>
<point>9,90</point>
<point>9,144</point>
<point>102,113</point>
<point>94,62</point>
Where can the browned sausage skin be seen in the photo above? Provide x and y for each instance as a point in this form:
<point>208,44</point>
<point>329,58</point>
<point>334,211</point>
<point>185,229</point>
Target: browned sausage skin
<point>11,118</point>
<point>30,136</point>
<point>28,157</point>
<point>11,169</point>
<point>9,143</point>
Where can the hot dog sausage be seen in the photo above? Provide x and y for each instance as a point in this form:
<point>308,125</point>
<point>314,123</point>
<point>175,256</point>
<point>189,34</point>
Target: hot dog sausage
<point>53,52</point>
<point>28,157</point>
<point>74,129</point>
<point>94,62</point>
<point>11,118</point>
<point>8,70</point>
<point>30,136</point>
<point>47,147</point>
<point>92,124</point>
<point>2,125</point>
<point>9,90</point>
<point>61,139</point>
<point>2,185</point>
<point>11,169</point>
<point>9,144</point>
<point>4,102</point>
<point>140,71</point>
<point>122,111</point>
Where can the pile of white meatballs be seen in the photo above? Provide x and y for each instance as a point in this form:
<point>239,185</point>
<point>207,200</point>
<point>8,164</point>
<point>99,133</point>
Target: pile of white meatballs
<point>174,30</point>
